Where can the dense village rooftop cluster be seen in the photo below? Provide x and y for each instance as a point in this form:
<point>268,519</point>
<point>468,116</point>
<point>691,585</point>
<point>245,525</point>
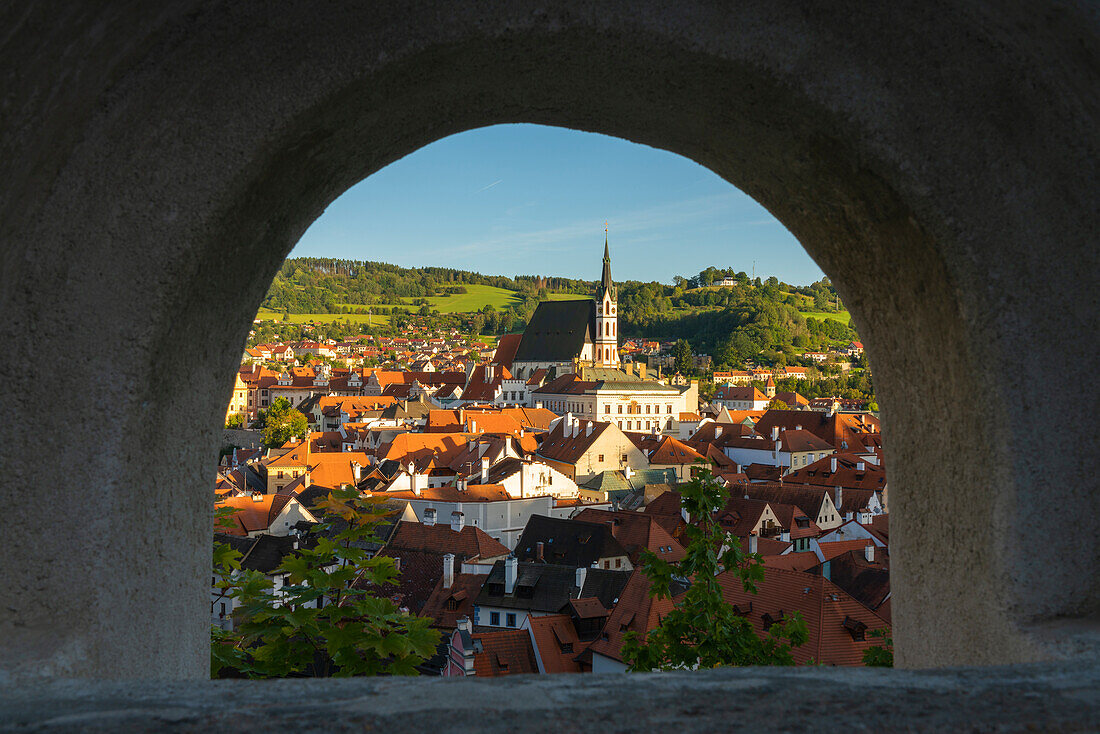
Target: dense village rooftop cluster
<point>525,482</point>
<point>518,527</point>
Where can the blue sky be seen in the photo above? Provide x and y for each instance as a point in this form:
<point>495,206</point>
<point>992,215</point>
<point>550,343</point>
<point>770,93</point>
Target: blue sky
<point>532,200</point>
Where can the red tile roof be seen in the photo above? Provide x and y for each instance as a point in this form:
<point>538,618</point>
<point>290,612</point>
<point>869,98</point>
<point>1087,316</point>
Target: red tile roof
<point>673,451</point>
<point>504,653</point>
<point>447,606</point>
<point>636,611</point>
<point>557,643</point>
<point>468,543</point>
<point>832,616</point>
<point>636,531</point>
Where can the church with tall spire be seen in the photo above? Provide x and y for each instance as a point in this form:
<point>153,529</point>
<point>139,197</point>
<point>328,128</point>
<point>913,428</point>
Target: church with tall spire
<point>563,334</point>
<point>606,353</point>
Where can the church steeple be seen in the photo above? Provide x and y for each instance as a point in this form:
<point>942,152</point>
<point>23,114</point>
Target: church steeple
<point>606,347</point>
<point>607,285</point>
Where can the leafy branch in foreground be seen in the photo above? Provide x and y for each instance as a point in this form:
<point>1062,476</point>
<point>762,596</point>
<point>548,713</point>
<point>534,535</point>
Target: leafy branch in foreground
<point>322,621</point>
<point>880,656</point>
<point>703,630</point>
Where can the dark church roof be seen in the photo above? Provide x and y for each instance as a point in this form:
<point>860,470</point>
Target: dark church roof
<point>557,332</point>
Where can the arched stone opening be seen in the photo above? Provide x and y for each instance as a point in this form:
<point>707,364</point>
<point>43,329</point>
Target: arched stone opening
<point>937,161</point>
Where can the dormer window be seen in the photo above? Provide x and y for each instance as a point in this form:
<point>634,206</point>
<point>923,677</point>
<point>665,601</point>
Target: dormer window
<point>856,628</point>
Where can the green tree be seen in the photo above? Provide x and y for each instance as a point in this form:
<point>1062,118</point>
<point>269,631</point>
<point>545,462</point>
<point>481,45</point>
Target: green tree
<point>323,622</point>
<point>880,656</point>
<point>702,630</point>
<point>682,354</point>
<point>777,404</point>
<point>235,421</point>
<point>281,422</point>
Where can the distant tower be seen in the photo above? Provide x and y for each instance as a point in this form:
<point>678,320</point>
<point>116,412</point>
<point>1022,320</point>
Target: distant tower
<point>769,387</point>
<point>607,337</point>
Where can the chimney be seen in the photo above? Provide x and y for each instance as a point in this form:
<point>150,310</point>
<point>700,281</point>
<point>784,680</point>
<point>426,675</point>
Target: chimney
<point>869,553</point>
<point>832,465</point>
<point>775,433</point>
<point>785,536</point>
<point>753,543</point>
<point>448,570</point>
<point>860,466</point>
<point>356,471</point>
<point>413,484</point>
<point>588,428</point>
<point>839,498</point>
<point>717,431</point>
<point>463,624</point>
<point>484,470</point>
<point>567,423</point>
<point>458,521</point>
<point>582,574</point>
<point>827,570</point>
<point>257,496</point>
<point>511,571</point>
<point>429,516</point>
<point>397,563</point>
<point>540,554</point>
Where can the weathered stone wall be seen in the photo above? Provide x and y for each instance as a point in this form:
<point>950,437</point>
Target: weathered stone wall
<point>1027,698</point>
<point>938,159</point>
<point>243,438</point>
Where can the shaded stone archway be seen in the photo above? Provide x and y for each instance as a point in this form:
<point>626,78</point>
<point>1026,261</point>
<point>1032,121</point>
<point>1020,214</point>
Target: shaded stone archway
<point>938,161</point>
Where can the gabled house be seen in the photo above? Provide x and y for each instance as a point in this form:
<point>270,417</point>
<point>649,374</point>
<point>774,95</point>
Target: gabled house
<point>513,591</point>
<point>581,449</point>
<point>272,514</point>
<point>571,543</point>
<point>489,654</point>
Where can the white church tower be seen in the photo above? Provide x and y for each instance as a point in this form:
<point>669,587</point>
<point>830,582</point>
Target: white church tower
<point>607,337</point>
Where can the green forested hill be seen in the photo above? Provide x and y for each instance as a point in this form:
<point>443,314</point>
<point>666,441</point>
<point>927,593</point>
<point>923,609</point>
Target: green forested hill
<point>760,320</point>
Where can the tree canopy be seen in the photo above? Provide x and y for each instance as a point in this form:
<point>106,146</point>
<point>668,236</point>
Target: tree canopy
<point>703,630</point>
<point>281,422</point>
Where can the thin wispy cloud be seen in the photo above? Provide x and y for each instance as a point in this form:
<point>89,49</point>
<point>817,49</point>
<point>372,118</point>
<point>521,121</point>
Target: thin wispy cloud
<point>486,188</point>
<point>630,224</point>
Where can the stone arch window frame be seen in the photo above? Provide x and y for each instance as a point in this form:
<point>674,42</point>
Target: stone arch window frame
<point>868,162</point>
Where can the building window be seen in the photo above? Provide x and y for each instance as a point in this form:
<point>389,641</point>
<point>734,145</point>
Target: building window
<point>494,619</point>
<point>510,619</point>
<point>280,476</point>
<point>647,409</point>
<point>618,563</point>
<point>606,409</point>
<point>668,409</point>
<point>600,458</point>
<point>620,410</point>
<point>624,458</point>
<point>607,565</point>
